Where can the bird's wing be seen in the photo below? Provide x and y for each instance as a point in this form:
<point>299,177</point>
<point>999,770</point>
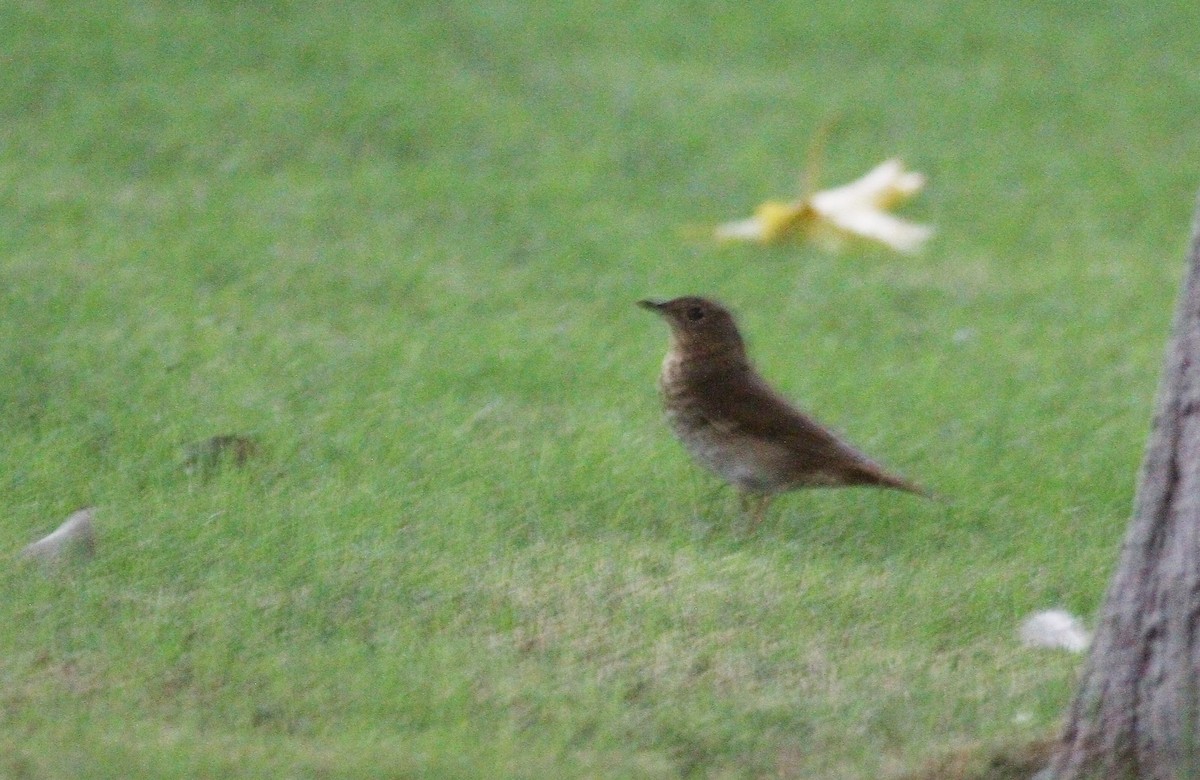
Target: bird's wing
<point>746,405</point>
<point>742,404</point>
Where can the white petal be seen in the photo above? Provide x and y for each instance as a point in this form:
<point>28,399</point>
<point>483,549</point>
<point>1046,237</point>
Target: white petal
<point>750,229</point>
<point>883,186</point>
<point>880,226</point>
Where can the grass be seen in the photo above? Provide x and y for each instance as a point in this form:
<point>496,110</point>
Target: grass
<point>400,245</point>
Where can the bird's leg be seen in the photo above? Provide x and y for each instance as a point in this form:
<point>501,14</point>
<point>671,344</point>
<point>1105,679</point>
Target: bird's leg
<point>754,505</point>
<point>764,501</point>
<point>716,491</point>
<point>744,503</point>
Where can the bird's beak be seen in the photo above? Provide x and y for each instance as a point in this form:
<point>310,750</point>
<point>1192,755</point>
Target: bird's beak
<point>652,305</point>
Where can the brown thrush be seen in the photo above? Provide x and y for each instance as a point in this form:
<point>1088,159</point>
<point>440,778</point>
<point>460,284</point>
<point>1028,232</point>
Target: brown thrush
<point>735,425</point>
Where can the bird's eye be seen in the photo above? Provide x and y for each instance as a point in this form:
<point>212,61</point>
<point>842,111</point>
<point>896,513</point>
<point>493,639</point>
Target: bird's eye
<point>695,313</point>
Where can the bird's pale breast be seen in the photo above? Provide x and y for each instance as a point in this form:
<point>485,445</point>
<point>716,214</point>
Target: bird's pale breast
<point>749,463</point>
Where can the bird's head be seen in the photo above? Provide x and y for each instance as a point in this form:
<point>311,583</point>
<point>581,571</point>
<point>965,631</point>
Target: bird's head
<point>698,325</point>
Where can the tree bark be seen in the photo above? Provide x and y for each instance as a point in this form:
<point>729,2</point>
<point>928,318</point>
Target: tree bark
<point>1135,713</point>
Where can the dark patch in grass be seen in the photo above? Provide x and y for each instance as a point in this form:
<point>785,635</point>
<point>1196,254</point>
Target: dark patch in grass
<point>19,768</point>
<point>693,754</point>
<point>636,692</point>
<point>1007,762</point>
<point>273,718</point>
<point>207,456</point>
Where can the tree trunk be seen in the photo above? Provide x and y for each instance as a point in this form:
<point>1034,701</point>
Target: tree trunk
<point>1135,713</point>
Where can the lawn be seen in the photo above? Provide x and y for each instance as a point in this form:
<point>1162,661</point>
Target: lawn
<point>399,246</point>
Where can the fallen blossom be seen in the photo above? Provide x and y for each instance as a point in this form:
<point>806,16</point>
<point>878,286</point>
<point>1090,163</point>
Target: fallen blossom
<point>857,210</point>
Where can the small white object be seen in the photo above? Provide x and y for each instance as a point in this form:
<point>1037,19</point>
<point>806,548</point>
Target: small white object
<point>749,229</point>
<point>75,534</point>
<point>1055,628</point>
<point>963,335</point>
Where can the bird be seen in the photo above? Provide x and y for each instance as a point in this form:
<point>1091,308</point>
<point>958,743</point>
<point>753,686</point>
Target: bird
<point>734,424</point>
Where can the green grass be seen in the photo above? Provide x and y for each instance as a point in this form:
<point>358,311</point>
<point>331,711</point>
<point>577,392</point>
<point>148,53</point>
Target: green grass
<point>400,244</point>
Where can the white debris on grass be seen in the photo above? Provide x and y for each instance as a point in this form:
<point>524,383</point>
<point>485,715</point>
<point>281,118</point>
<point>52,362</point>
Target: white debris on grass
<point>831,217</point>
<point>1055,628</point>
<point>76,534</point>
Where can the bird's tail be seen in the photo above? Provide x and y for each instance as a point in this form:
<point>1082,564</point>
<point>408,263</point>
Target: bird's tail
<point>872,475</point>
